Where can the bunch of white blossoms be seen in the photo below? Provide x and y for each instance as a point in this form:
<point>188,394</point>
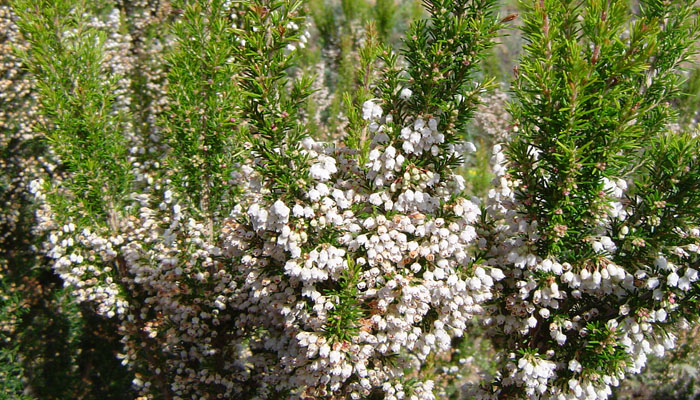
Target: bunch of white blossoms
<point>366,275</point>
<point>566,318</point>
<point>338,291</point>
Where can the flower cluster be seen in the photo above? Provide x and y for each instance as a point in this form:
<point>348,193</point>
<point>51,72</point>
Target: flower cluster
<point>597,245</point>
<point>595,306</point>
<point>412,288</point>
<point>367,274</point>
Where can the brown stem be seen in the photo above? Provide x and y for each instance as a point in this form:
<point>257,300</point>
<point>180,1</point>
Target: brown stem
<point>151,347</point>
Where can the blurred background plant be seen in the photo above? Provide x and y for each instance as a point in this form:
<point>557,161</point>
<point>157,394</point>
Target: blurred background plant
<point>51,348</point>
<point>676,376</point>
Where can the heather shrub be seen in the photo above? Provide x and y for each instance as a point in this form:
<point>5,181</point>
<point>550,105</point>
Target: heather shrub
<point>595,214</point>
<point>50,346</point>
<point>243,229</point>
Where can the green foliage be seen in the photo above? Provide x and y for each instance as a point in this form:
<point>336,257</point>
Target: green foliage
<point>669,189</point>
<point>78,97</point>
<point>588,101</point>
<point>11,374</point>
<point>689,101</point>
<point>442,55</point>
<point>603,353</point>
<point>51,348</point>
<point>479,175</point>
<point>272,111</point>
<point>385,15</point>
<point>202,120</point>
<point>324,20</point>
<point>68,352</point>
<point>347,313</point>
<point>353,9</point>
<point>594,93</point>
<point>357,135</point>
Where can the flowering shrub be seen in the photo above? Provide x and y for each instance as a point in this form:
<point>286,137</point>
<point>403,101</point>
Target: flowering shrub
<point>242,258</point>
<point>594,218</point>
